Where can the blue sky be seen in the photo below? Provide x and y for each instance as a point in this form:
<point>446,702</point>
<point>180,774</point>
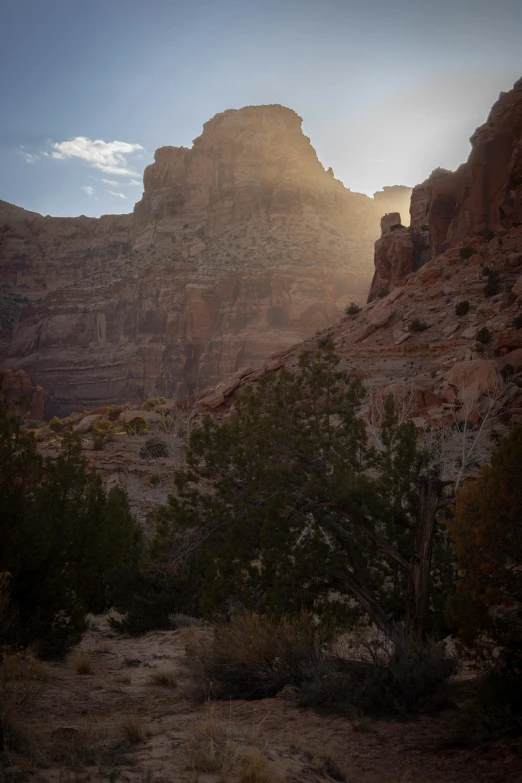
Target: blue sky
<point>387,90</point>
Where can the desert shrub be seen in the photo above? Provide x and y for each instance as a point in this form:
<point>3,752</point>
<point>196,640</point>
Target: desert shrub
<point>324,342</point>
<point>417,325</point>
<point>517,321</point>
<point>154,448</point>
<point>21,676</point>
<point>254,656</point>
<point>154,404</point>
<point>486,233</point>
<point>155,480</point>
<point>394,677</point>
<point>101,433</point>
<point>466,252</point>
<point>154,598</point>
<point>462,308</point>
<point>352,309</point>
<point>507,372</point>
<point>56,424</point>
<point>484,336</point>
<point>114,412</point>
<point>66,542</point>
<point>424,227</point>
<point>164,678</point>
<point>492,286</point>
<point>137,426</point>
<point>487,535</point>
<point>384,293</point>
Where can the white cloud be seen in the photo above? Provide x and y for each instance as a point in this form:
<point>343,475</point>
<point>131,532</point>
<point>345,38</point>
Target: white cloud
<point>88,189</point>
<point>114,193</point>
<point>28,156</point>
<point>107,156</point>
<point>112,182</point>
<point>135,182</point>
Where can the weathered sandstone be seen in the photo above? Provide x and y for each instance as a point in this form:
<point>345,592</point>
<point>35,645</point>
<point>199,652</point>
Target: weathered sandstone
<point>240,247</point>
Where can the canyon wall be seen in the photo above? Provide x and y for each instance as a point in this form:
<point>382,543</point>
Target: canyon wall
<point>240,246</point>
<point>482,197</point>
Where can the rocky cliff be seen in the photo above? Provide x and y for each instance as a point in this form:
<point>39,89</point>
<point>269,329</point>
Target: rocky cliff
<point>483,197</point>
<point>444,316</point>
<point>240,246</point>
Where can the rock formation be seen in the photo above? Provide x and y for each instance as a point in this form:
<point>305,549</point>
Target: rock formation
<point>240,246</point>
<point>483,196</point>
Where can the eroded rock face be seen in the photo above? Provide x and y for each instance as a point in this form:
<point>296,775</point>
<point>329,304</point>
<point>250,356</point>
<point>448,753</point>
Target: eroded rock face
<point>482,197</point>
<point>241,246</point>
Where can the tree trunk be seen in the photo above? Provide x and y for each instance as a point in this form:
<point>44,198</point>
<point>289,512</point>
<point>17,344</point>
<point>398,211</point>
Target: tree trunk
<point>430,488</point>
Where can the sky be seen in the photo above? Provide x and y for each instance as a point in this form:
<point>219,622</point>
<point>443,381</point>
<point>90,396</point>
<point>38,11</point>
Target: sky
<point>388,90</point>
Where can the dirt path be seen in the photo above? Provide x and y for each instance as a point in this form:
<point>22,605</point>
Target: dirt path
<point>117,724</point>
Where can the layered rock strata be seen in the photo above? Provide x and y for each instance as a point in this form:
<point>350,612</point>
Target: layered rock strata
<point>241,246</point>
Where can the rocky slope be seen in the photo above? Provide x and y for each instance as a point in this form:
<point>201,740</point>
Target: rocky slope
<point>241,246</point>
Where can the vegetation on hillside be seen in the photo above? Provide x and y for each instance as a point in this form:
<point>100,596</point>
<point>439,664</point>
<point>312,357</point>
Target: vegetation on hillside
<point>67,544</point>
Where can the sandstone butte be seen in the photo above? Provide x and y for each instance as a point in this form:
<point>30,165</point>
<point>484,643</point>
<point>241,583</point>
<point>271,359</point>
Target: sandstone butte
<point>465,231</point>
<point>240,246</point>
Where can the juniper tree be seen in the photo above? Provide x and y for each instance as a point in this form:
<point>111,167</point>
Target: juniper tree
<point>288,506</point>
<point>67,545</point>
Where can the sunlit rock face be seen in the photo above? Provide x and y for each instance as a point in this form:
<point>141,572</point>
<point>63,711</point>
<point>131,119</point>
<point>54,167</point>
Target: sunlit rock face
<point>483,197</point>
<point>240,247</point>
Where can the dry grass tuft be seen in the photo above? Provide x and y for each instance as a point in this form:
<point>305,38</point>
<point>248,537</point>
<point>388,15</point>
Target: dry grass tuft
<point>163,677</point>
<point>134,730</point>
<point>255,656</point>
<point>80,662</point>
<point>213,747</point>
<point>24,666</point>
<point>21,682</point>
<point>124,679</point>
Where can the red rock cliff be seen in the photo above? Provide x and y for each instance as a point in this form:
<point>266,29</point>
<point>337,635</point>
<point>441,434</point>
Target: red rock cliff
<point>241,246</point>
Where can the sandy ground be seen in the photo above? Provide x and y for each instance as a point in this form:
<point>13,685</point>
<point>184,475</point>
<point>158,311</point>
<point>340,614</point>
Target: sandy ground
<point>81,723</point>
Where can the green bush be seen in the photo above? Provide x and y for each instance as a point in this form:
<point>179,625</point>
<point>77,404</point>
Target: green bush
<point>387,679</point>
<point>154,448</point>
<point>484,336</point>
<point>466,252</point>
<point>384,293</point>
<point>462,308</point>
<point>154,404</point>
<point>352,309</point>
<point>137,426</point>
<point>66,542</point>
<point>418,326</point>
<point>101,432</point>
<point>56,424</point>
<point>114,412</point>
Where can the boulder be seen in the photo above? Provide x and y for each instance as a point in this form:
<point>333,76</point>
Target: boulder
<point>86,424</point>
<point>510,338</point>
<point>513,358</point>
<point>362,333</point>
<point>211,401</point>
<point>474,378</point>
<point>517,288</point>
